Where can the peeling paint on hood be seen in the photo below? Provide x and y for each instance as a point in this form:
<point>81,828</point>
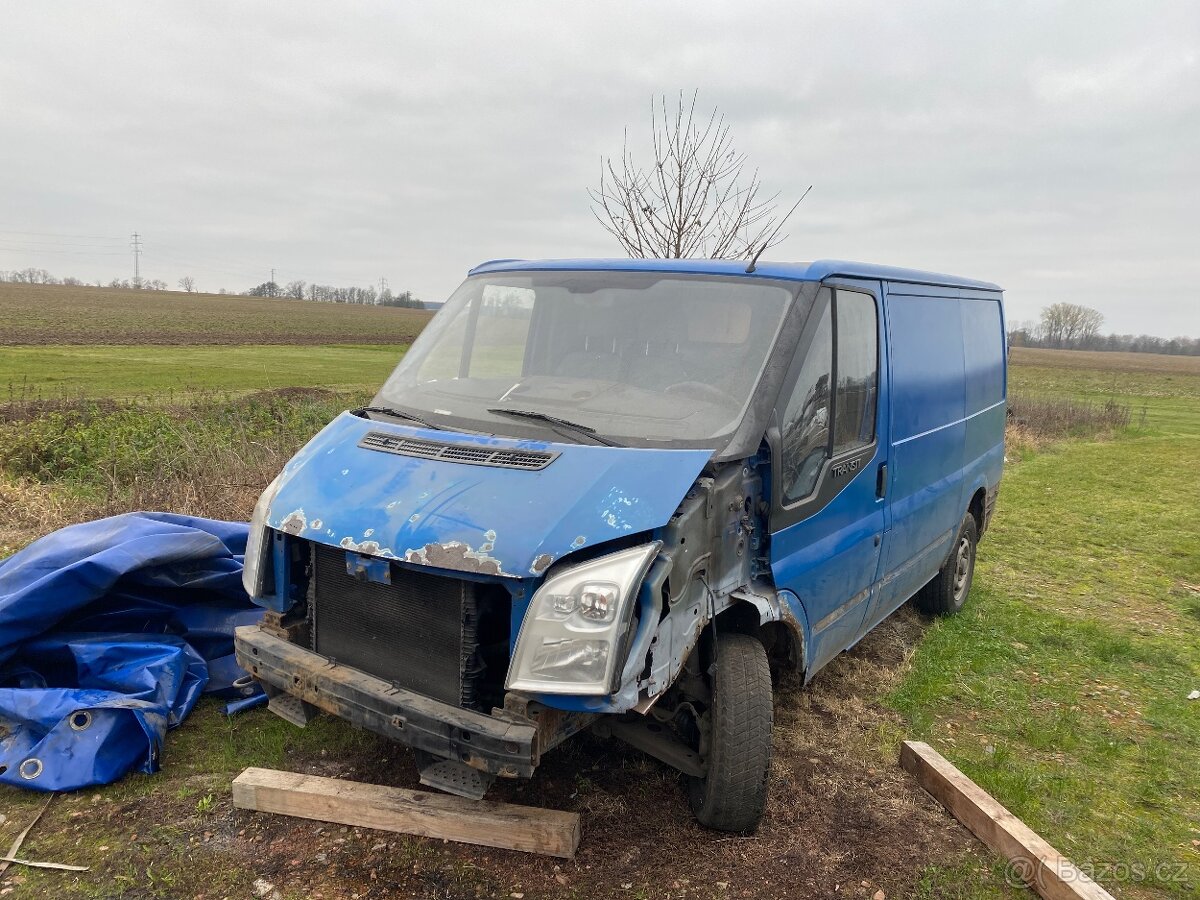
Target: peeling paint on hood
<point>475,518</point>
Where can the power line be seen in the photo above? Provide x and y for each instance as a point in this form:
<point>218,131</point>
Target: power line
<point>34,245</point>
<point>34,252</point>
<point>98,237</point>
<point>244,265</point>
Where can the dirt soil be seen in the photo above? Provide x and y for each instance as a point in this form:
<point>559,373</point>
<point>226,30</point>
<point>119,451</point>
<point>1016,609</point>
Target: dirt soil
<point>842,820</point>
<point>47,314</point>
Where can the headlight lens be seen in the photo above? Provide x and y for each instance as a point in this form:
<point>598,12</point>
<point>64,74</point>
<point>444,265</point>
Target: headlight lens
<point>254,569</point>
<point>573,629</point>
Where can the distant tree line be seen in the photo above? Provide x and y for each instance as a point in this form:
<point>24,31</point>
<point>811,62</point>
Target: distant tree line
<point>325,293</point>
<point>1069,326</point>
<point>32,275</point>
<point>293,290</point>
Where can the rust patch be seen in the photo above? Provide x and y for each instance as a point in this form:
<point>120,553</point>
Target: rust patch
<point>370,548</point>
<point>293,522</point>
<point>455,555</point>
<point>541,564</point>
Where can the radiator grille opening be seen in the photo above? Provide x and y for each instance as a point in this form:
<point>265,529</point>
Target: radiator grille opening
<point>440,636</point>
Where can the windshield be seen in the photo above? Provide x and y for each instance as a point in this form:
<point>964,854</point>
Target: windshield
<point>635,357</point>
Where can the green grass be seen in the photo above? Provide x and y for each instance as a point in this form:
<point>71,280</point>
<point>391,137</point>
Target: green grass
<point>60,314</point>
<point>1169,403</point>
<point>200,436</point>
<point>1162,392</point>
<point>145,370</point>
<point>1062,686</point>
<point>167,860</point>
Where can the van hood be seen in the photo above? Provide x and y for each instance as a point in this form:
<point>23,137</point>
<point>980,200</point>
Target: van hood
<point>483,517</point>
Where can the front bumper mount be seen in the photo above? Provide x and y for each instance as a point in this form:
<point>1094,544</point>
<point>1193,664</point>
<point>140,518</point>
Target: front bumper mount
<point>498,746</point>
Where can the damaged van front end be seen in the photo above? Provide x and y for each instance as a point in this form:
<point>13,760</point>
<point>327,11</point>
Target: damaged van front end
<point>533,527</point>
<point>476,598</point>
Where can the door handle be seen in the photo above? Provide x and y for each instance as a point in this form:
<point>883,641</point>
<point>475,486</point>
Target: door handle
<point>881,481</point>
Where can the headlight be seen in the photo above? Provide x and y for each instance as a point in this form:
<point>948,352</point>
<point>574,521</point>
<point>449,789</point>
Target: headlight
<point>573,629</point>
<point>254,569</point>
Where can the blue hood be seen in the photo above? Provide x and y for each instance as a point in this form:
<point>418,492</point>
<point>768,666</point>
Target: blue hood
<point>474,518</point>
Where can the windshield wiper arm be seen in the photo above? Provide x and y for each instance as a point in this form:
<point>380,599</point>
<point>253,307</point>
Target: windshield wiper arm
<point>555,420</point>
<point>397,414</point>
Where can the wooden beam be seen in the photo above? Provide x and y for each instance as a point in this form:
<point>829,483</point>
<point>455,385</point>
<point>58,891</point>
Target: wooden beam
<point>435,815</point>
<point>1031,859</point>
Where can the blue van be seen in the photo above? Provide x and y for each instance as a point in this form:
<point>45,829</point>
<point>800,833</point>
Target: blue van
<point>620,495</point>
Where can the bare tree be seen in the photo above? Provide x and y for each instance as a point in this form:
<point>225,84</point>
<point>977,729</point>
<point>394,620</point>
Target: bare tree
<point>1070,325</point>
<point>295,290</point>
<point>695,200</point>
<point>188,283</point>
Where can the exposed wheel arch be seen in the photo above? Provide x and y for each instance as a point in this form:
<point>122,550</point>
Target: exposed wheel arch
<point>976,507</point>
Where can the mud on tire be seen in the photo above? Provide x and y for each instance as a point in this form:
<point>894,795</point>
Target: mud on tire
<point>733,795</point>
<point>947,592</point>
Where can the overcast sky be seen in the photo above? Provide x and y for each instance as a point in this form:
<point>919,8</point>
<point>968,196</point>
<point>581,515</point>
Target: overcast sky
<point>1051,147</point>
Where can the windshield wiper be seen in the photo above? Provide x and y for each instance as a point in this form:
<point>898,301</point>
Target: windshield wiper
<point>396,414</point>
<point>555,420</point>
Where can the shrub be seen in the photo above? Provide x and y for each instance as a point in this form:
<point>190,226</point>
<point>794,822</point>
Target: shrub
<point>1058,417</point>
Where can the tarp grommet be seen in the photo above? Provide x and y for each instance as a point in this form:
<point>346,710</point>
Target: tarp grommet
<point>30,768</point>
<point>80,720</point>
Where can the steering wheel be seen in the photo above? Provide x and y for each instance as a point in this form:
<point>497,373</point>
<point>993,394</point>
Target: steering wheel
<point>700,390</point>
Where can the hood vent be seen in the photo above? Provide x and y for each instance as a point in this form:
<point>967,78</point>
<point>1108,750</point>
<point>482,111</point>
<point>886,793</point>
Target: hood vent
<point>470,454</point>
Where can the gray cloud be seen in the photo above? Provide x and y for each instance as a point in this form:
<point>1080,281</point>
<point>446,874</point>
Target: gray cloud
<point>1050,147</point>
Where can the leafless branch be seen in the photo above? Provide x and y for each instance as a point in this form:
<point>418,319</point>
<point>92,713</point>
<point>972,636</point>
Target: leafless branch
<point>695,200</point>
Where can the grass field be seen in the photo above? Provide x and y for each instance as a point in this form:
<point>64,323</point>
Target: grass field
<point>50,372</point>
<point>1163,391</point>
<point>46,314</point>
<point>1061,688</point>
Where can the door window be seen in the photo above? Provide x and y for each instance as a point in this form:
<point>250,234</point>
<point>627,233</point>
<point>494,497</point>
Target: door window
<point>806,419</point>
<point>817,425</point>
<point>857,371</point>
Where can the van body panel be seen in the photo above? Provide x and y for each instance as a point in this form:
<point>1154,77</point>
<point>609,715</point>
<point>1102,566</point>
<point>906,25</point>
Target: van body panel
<point>986,360</point>
<point>484,519</point>
<point>928,403</point>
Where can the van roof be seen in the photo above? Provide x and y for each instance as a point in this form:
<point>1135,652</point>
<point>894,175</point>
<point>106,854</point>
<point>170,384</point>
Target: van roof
<point>795,271</point>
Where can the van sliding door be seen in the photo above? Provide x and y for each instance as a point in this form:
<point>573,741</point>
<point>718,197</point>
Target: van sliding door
<point>928,402</point>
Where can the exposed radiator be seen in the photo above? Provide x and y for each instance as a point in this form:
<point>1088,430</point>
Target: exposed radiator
<point>418,632</point>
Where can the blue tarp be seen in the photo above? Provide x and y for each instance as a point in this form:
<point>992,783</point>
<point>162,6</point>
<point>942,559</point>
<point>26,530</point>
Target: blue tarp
<point>109,633</point>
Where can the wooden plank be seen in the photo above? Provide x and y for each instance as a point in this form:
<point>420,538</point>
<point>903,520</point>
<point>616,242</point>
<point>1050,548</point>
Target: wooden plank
<point>435,815</point>
<point>1031,859</point>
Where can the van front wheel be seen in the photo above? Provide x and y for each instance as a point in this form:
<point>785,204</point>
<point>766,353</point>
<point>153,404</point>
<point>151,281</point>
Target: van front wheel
<point>733,794</point>
<point>947,592</point>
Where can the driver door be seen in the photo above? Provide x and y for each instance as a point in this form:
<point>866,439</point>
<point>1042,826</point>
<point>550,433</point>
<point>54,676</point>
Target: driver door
<point>828,511</point>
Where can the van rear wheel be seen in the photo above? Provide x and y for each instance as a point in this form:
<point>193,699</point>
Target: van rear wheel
<point>947,592</point>
<point>733,794</point>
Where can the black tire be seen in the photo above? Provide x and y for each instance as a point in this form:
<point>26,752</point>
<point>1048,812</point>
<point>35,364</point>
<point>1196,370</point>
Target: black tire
<point>733,795</point>
<point>947,592</point>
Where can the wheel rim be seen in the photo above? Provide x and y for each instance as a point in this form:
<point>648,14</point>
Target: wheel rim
<point>962,569</point>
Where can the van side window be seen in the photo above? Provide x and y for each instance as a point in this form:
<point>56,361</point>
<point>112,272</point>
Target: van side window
<point>857,371</point>
<point>806,419</point>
